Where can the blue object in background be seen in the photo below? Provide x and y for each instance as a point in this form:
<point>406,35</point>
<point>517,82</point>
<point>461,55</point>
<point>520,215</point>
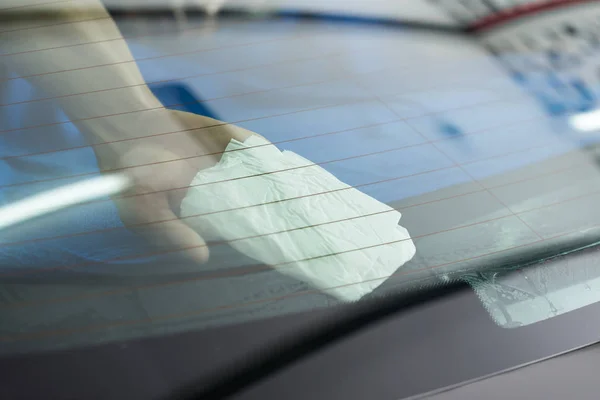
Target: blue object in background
<point>178,96</point>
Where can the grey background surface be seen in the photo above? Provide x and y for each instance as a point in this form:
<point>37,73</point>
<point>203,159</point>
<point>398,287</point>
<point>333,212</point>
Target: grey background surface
<point>568,376</point>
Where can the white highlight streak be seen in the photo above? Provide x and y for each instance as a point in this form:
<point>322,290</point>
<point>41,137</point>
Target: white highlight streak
<point>586,122</point>
<point>62,197</point>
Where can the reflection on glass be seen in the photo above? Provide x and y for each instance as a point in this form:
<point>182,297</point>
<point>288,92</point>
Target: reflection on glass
<point>57,199</point>
<point>586,122</point>
<point>519,297</point>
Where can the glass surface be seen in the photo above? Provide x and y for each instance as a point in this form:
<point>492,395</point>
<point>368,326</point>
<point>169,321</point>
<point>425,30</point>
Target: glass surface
<point>485,144</point>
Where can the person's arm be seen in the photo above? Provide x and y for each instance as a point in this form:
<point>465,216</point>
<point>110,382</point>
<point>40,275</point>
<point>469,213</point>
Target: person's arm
<point>89,22</point>
<point>122,118</point>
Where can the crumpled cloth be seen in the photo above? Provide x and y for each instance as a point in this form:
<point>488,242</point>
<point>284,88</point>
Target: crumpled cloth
<point>283,210</point>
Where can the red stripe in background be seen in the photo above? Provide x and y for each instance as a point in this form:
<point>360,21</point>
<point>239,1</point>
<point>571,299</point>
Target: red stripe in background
<point>521,11</point>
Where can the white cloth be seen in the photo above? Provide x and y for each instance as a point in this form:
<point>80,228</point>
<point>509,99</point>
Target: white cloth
<point>285,211</point>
